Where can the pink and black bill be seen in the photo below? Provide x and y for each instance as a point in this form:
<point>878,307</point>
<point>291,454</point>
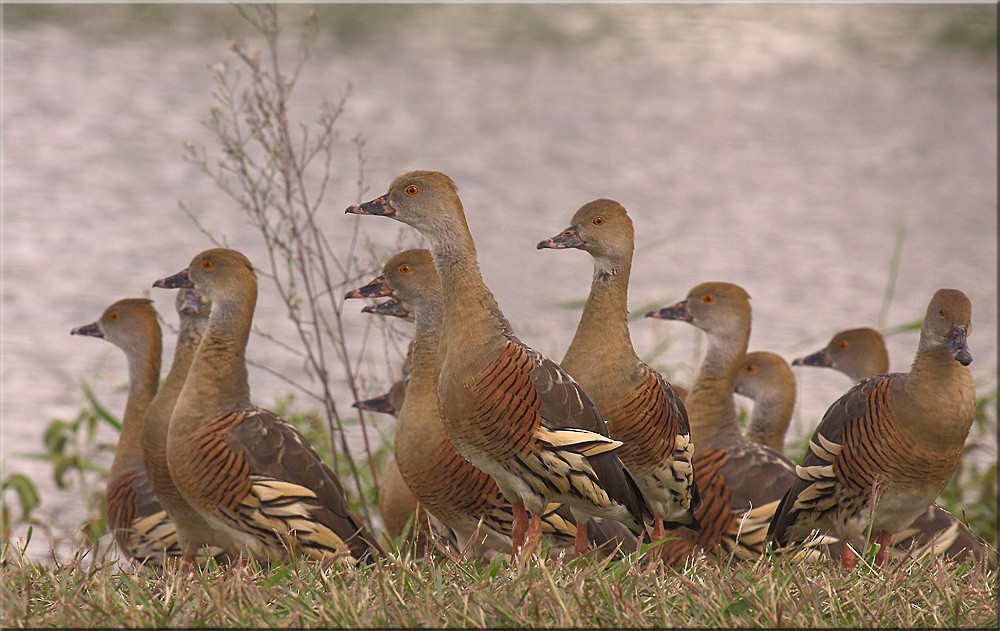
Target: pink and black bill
<point>378,404</point>
<point>819,358</point>
<point>93,330</point>
<point>958,344</point>
<point>377,206</point>
<point>568,238</point>
<point>179,280</point>
<point>391,307</point>
<point>377,288</point>
<point>678,311</point>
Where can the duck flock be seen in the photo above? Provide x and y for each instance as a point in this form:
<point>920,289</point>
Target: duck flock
<point>501,450</point>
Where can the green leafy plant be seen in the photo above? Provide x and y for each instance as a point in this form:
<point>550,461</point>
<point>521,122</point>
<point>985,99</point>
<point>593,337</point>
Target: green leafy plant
<point>80,461</point>
<point>24,489</point>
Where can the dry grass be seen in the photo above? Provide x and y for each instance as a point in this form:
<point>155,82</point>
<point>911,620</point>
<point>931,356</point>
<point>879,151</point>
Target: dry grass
<point>551,591</point>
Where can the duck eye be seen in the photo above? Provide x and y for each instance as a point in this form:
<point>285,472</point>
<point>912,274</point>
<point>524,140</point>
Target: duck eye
<point>708,299</point>
<point>843,345</point>
<point>411,189</point>
<point>404,269</point>
<point>598,221</point>
<point>751,369</point>
<point>941,312</point>
<point>113,316</point>
<point>207,263</point>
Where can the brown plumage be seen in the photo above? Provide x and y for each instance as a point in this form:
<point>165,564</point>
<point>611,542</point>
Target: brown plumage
<point>253,480</point>
<point>640,407</point>
<point>509,410</point>
<point>140,526</point>
<point>741,482</point>
<point>463,497</point>
<point>887,448</point>
<point>860,354</point>
<point>768,380</point>
<point>193,309</point>
<point>405,520</point>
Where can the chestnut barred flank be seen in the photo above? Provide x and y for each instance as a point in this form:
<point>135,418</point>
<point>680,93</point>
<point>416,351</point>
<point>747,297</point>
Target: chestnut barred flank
<point>250,482</point>
<point>496,394</point>
<point>253,472</point>
<point>453,490</point>
<point>885,450</point>
<point>640,407</point>
<point>552,447</point>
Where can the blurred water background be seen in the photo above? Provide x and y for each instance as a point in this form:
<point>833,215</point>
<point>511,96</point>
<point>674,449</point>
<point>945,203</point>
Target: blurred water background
<point>787,148</point>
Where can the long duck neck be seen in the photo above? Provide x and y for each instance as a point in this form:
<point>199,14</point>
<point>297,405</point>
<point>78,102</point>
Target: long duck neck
<point>218,378</point>
<point>710,404</point>
<point>143,377</point>
<point>772,413</point>
<point>602,336</point>
<point>188,337</point>
<point>420,429</point>
<point>471,319</point>
<point>157,421</point>
<point>939,390</point>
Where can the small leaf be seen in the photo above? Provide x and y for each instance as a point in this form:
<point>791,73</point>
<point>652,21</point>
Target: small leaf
<point>100,410</point>
<point>739,607</point>
<point>63,465</point>
<point>55,436</point>
<point>26,490</point>
<point>94,528</point>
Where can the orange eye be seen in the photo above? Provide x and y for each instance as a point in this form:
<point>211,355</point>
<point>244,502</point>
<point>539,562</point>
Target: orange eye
<point>411,190</point>
<point>113,316</point>
<point>751,369</point>
<point>207,263</point>
<point>843,345</point>
<point>598,221</point>
<point>708,299</point>
<point>405,269</point>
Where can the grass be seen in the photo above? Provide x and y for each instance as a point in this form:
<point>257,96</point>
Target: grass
<point>90,589</point>
<point>546,591</point>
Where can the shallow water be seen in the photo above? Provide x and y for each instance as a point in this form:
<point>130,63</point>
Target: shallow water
<point>783,148</point>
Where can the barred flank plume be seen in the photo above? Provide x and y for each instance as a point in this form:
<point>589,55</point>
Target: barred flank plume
<point>506,410</point>
<point>537,422</point>
<point>652,424</point>
<point>857,448</point>
<point>254,472</point>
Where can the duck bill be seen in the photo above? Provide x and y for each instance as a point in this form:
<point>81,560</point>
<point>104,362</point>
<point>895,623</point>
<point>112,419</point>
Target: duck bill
<point>377,206</point>
<point>677,311</point>
<point>93,330</point>
<point>377,288</point>
<point>391,307</point>
<point>378,404</point>
<point>957,342</point>
<point>569,238</point>
<point>180,280</point>
<point>819,358</point>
